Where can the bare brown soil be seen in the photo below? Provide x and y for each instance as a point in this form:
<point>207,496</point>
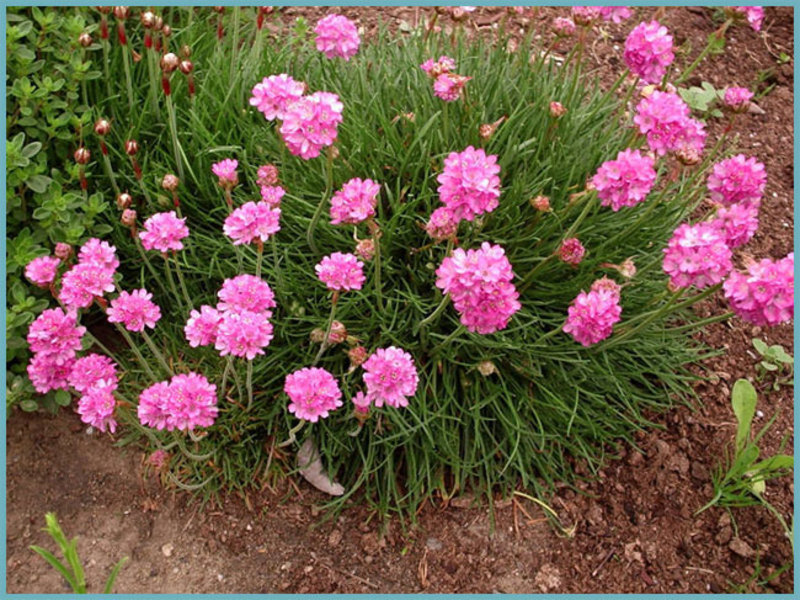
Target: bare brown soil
<point>634,527</point>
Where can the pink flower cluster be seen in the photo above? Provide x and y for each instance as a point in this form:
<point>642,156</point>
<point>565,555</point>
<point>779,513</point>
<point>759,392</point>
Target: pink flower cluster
<point>273,96</point>
<point>267,175</point>
<point>765,294</point>
<point>252,221</point>
<point>591,316</point>
<point>183,403</point>
<point>341,272</point>
<point>449,86</point>
<point>585,15</point>
<point>337,36</point>
<point>225,170</point>
<point>479,283</point>
<point>310,124</point>
<point>93,370</point>
<point>272,195</point>
<point>42,271</point>
<point>664,118</point>
<point>737,98</point>
<point>697,255</point>
<point>96,407</point>
<point>91,277</point>
<point>390,377</point>
<point>753,14</point>
<point>470,185</point>
<point>571,251</point>
<point>164,232</point>
<point>135,310</point>
<point>648,51</point>
<point>737,179</point>
<point>737,223</point>
<point>445,64</point>
<point>313,393</point>
<point>53,337</point>
<point>625,181</point>
<point>616,14</point>
<point>355,202</point>
<point>563,27</point>
<point>441,225</point>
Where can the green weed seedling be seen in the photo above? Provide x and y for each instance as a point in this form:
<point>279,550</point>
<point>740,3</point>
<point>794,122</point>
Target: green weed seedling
<point>703,99</point>
<point>73,570</point>
<point>776,364</point>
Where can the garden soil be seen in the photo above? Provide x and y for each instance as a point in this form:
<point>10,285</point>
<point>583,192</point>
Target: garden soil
<point>634,527</point>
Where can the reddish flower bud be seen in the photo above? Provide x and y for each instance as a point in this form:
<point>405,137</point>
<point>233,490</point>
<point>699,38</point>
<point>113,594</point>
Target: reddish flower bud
<point>169,62</point>
<point>63,250</point>
<point>170,182</point>
<point>541,203</point>
<point>186,66</point>
<point>82,155</point>
<point>124,200</point>
<point>85,40</point>
<point>357,355</point>
<point>131,147</point>
<point>365,249</point>
<point>166,30</point>
<point>122,12</point>
<point>102,127</point>
<point>557,110</point>
<point>148,19</point>
<point>128,217</point>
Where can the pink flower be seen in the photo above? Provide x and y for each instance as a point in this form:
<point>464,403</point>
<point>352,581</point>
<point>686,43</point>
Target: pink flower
<point>737,223</point>
<point>390,377</point>
<point>158,459</point>
<point>584,15</point>
<point>470,185</point>
<point>96,408</point>
<point>617,14</point>
<point>591,316</point>
<point>664,118</point>
<point>765,294</point>
<point>448,86</point>
<point>83,283</point>
<point>341,272</point>
<point>99,253</point>
<point>55,333</point>
<point>313,393</point>
<point>753,14</point>
<point>563,27</point>
<point>571,251</point>
<point>737,179</point>
<point>441,225</point>
<point>738,98</point>
<point>310,124</point>
<point>272,195</point>
<point>337,36</point>
<point>273,96</point>
<point>362,402</point>
<point>609,285</point>
<point>243,333</point>
<point>93,370</point>
<point>192,403</point>
<point>355,202</point>
<point>164,232</point>
<point>202,327</point>
<point>252,221</point>
<point>153,407</point>
<point>50,371</point>
<point>225,170</point>
<point>134,310</point>
<point>625,181</point>
<point>246,292</point>
<point>445,64</point>
<point>479,283</point>
<point>696,255</point>
<point>63,251</point>
<point>267,175</point>
<point>648,51</point>
<point>42,271</point>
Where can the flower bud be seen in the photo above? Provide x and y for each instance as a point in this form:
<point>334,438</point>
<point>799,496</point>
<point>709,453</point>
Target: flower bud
<point>128,217</point>
<point>604,283</point>
<point>122,12</point>
<point>102,127</point>
<point>186,67</point>
<point>267,175</point>
<point>487,130</point>
<point>688,156</point>
<point>158,23</point>
<point>186,51</point>
<point>365,249</point>
<point>148,19</point>
<point>85,39</point>
<point>131,147</point>
<point>486,368</point>
<point>317,335</point>
<point>571,251</point>
<point>219,9</point>
<point>541,203</point>
<point>338,333</point>
<point>124,200</point>
<point>169,62</point>
<point>104,9</point>
<point>82,155</point>
<point>557,110</point>
<point>166,30</point>
<point>357,355</point>
<point>170,182</point>
<point>63,251</point>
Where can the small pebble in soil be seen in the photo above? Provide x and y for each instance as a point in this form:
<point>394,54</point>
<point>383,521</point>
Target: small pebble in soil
<point>433,544</point>
<point>167,549</point>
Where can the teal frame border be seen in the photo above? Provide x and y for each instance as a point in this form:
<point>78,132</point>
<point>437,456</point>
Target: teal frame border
<point>3,563</point>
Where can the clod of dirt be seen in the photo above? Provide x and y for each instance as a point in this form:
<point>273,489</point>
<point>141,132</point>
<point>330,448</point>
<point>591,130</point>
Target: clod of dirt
<point>334,538</point>
<point>167,549</point>
<point>724,536</point>
<point>740,547</point>
<point>433,544</point>
<point>548,578</point>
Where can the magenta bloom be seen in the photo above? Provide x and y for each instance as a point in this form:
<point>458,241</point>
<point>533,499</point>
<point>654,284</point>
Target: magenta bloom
<point>337,36</point>
<point>243,333</point>
<point>341,272</point>
<point>192,403</point>
<point>267,175</point>
<point>83,283</point>
<point>765,294</point>
<point>479,283</point>
<point>737,223</point>
<point>202,327</point>
<point>665,119</point>
<point>50,371</point>
<point>135,310</point>
<point>433,68</point>
<point>55,333</point>
<point>441,225</point>
<point>313,393</point>
<point>164,232</point>
<point>448,86</point>
<point>563,27</point>
<point>648,51</point>
<point>584,15</point>
<point>625,181</point>
<point>273,96</point>
<point>591,316</point>
<point>99,253</point>
<point>470,185</point>
<point>738,98</point>
<point>153,407</point>
<point>246,293</point>
<point>252,221</point>
<point>311,124</point>
<point>617,14</point>
<point>390,377</point>
<point>571,251</point>
<point>753,14</point>
<point>737,179</point>
<point>362,402</point>
<point>697,255</point>
<point>96,408</point>
<point>42,271</point>
<point>272,195</point>
<point>355,202</point>
<point>225,170</point>
<point>91,371</point>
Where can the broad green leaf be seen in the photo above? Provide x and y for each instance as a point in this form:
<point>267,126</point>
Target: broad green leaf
<point>744,400</point>
<point>759,345</point>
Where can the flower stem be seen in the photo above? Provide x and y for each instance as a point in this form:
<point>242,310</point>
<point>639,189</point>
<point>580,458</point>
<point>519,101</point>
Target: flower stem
<point>324,345</point>
<point>137,352</point>
<point>173,130</point>
<point>259,257</point>
<point>171,281</point>
<point>156,352</point>
<point>235,49</point>
<point>718,34</point>
<point>249,384</point>
<point>228,367</point>
<point>292,433</point>
<point>109,170</point>
<point>646,321</point>
<point>149,265</point>
<point>458,330</point>
<point>430,318</point>
<point>182,282</point>
<point>378,284</point>
<point>126,61</point>
<point>318,213</point>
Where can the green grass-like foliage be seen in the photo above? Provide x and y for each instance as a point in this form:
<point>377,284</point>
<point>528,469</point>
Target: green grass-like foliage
<point>549,401</point>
